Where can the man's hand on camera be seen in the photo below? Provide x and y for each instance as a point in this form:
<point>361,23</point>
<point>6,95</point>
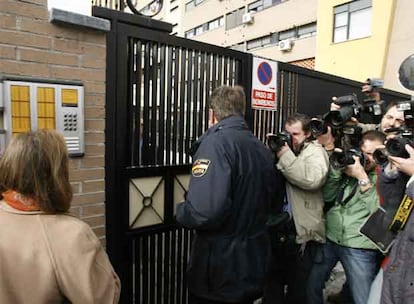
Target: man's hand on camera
<point>356,169</point>
<point>334,106</point>
<point>327,140</point>
<point>405,165</point>
<point>282,150</point>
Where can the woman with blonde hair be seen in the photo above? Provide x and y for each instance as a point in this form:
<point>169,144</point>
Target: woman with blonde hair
<point>46,255</point>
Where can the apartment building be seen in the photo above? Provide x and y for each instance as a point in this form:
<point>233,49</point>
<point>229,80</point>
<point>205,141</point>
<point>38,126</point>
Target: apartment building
<point>354,39</point>
<point>367,38</point>
<point>283,30</point>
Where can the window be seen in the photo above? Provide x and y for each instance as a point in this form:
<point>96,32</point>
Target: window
<point>211,25</point>
<point>234,18</point>
<point>215,23</point>
<point>259,42</point>
<point>193,3</point>
<point>261,4</point>
<point>287,34</point>
<point>307,30</point>
<point>189,33</point>
<point>352,20</point>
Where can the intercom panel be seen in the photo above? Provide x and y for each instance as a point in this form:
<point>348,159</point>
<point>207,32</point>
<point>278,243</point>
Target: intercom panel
<point>31,106</point>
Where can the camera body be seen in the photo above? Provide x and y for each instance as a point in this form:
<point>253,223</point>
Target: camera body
<point>350,107</point>
<point>318,127</point>
<point>339,160</point>
<point>396,146</point>
<point>277,141</point>
<point>373,83</point>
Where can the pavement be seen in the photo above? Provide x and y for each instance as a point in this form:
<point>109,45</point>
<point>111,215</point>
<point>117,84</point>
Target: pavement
<point>333,285</point>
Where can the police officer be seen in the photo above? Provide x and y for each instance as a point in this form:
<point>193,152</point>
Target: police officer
<point>231,187</point>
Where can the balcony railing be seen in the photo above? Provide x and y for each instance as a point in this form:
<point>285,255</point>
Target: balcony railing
<point>150,9</point>
<point>119,5</point>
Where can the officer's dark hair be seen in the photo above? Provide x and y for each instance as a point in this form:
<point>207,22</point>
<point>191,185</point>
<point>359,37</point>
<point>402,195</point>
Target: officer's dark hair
<point>228,101</point>
<point>373,135</point>
<point>303,118</point>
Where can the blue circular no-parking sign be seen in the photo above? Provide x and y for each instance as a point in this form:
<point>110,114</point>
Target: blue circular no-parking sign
<point>264,73</point>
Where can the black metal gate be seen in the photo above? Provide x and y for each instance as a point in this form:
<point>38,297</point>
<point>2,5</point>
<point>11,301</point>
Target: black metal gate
<point>157,91</point>
<point>156,105</point>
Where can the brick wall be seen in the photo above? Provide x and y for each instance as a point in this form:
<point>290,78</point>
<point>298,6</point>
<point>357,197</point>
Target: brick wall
<point>31,46</point>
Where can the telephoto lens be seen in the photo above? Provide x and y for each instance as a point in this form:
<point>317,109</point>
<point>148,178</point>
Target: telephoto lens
<point>277,141</point>
<point>396,146</point>
<point>318,127</point>
<point>339,160</point>
<point>380,156</point>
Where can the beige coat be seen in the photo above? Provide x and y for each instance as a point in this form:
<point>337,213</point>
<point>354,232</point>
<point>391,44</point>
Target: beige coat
<point>305,175</point>
<point>48,258</point>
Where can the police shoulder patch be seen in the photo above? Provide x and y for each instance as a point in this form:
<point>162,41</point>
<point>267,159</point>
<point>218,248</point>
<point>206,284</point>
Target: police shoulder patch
<point>200,167</point>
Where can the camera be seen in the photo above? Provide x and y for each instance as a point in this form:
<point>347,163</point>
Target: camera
<point>277,141</point>
<point>339,160</point>
<point>372,84</point>
<point>350,107</point>
<point>396,146</point>
<point>318,127</point>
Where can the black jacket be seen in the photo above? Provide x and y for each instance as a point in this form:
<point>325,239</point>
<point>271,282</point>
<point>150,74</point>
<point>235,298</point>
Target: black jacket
<point>231,188</point>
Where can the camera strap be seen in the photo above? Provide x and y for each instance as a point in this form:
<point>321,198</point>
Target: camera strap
<point>339,198</point>
<point>402,214</point>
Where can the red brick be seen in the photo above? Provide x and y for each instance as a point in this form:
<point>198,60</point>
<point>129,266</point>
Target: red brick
<point>93,162</point>
<point>67,46</point>
<point>94,149</point>
<point>46,28</point>
<point>95,221</point>
<point>99,231</point>
<point>48,57</point>
<point>86,174</point>
<point>95,50</point>
<point>93,186</point>
<point>93,210</point>
<point>74,163</point>
<point>24,9</point>
<point>7,22</point>
<point>95,124</point>
<point>94,100</point>
<point>94,112</point>
<point>95,138</point>
<point>76,211</point>
<point>24,68</point>
<point>92,87</point>
<point>76,187</point>
<point>7,52</point>
<point>25,39</point>
<point>88,198</point>
<point>93,62</point>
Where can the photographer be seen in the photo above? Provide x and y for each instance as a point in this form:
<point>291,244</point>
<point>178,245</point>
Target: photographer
<point>391,119</point>
<point>355,198</point>
<point>304,164</point>
<point>371,108</point>
<point>372,102</point>
<point>398,272</point>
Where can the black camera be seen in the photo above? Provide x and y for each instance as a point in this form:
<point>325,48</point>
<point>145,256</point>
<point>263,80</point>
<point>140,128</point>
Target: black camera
<point>339,160</point>
<point>277,141</point>
<point>350,107</point>
<point>318,127</point>
<point>396,146</point>
<point>373,83</point>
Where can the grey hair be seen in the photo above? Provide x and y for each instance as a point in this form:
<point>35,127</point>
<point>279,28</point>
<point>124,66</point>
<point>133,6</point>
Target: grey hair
<point>227,101</point>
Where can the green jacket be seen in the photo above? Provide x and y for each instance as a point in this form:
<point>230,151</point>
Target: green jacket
<point>343,221</point>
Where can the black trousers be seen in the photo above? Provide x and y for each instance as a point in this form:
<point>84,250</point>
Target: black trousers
<point>192,299</point>
<point>288,272</point>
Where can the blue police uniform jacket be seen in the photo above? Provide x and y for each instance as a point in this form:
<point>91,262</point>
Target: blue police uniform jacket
<point>232,185</point>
